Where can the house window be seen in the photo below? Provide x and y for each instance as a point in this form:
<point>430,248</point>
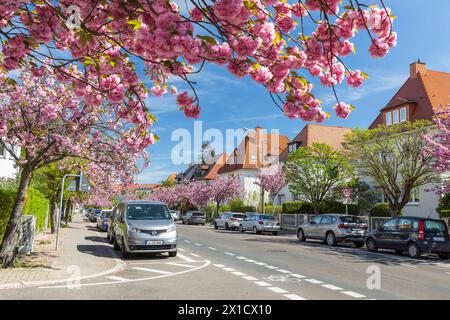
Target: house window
<point>280,199</point>
<point>395,116</point>
<point>292,147</point>
<point>415,196</point>
<point>296,198</point>
<point>388,118</point>
<point>402,114</point>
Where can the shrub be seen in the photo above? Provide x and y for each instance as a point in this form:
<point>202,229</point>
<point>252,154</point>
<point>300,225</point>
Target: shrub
<point>224,208</point>
<point>35,204</point>
<point>235,205</point>
<point>338,207</point>
<point>297,207</point>
<point>444,214</point>
<point>278,209</point>
<point>380,210</point>
<point>444,203</point>
<point>245,209</point>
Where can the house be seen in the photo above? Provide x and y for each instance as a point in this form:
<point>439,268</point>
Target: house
<point>257,150</point>
<point>417,99</point>
<point>7,168</point>
<point>214,168</point>
<point>193,172</point>
<point>311,133</point>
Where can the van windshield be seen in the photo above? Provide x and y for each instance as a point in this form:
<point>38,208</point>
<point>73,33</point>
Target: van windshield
<point>148,212</point>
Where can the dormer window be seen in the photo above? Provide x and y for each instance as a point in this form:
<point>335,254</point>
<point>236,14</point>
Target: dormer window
<point>388,118</point>
<point>395,117</point>
<point>294,145</point>
<point>403,115</point>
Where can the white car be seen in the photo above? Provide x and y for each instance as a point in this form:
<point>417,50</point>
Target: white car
<point>258,223</point>
<point>229,220</point>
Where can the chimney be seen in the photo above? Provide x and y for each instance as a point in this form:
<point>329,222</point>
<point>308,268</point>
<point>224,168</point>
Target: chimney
<point>417,67</point>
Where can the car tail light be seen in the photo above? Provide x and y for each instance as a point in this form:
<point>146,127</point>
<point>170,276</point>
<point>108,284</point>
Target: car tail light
<point>365,227</point>
<point>421,228</point>
<point>233,219</point>
<point>261,222</point>
<point>342,226</point>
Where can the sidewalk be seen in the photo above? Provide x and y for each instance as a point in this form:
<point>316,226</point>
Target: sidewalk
<point>83,253</point>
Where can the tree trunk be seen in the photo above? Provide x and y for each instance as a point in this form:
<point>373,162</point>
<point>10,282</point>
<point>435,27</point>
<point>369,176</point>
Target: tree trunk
<point>396,210</point>
<point>263,207</point>
<point>273,205</point>
<point>67,211</point>
<point>8,249</point>
<point>217,208</point>
<point>53,213</point>
<point>316,208</point>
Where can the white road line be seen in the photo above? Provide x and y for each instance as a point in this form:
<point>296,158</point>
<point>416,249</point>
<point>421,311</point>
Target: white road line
<point>447,272</point>
<point>277,290</point>
<point>185,258</point>
<point>242,258</point>
<point>152,270</point>
<point>218,265</point>
<point>353,294</point>
<point>293,296</point>
<point>250,278</point>
<point>260,263</point>
<point>117,278</point>
<point>250,260</point>
<point>296,275</point>
<point>408,265</point>
<point>198,244</point>
<point>314,281</point>
<point>263,283</point>
<point>228,269</point>
<point>211,248</point>
<point>229,253</point>
<point>284,271</point>
<point>181,265</point>
<point>331,287</point>
<point>239,273</point>
<point>270,267</point>
<point>182,250</point>
<point>195,255</point>
<point>186,240</point>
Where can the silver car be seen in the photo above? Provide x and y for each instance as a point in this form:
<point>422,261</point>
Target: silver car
<point>334,228</point>
<point>142,226</point>
<point>258,223</point>
<point>229,220</point>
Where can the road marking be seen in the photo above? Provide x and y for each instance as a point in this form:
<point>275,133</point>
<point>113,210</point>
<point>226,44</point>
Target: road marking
<point>447,272</point>
<point>117,278</point>
<point>239,273</point>
<point>277,290</point>
<point>152,270</point>
<point>331,287</point>
<point>211,248</point>
<point>181,265</point>
<point>444,265</point>
<point>186,240</point>
<point>195,255</point>
<point>198,244</point>
<point>250,278</point>
<point>242,258</point>
<point>228,269</point>
<point>353,294</point>
<point>182,250</point>
<point>249,260</point>
<point>185,258</point>
<point>314,281</point>
<point>218,265</point>
<point>229,253</point>
<point>263,283</point>
<point>296,275</point>
<point>293,297</point>
<point>270,267</point>
<point>261,263</point>
<point>284,271</point>
<point>408,265</point>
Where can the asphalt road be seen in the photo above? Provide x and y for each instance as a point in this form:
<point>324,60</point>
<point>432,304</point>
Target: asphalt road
<point>219,264</point>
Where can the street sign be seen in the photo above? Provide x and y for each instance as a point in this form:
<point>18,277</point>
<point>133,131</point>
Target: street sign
<point>346,193</point>
<point>26,234</point>
<point>83,183</point>
<point>73,186</point>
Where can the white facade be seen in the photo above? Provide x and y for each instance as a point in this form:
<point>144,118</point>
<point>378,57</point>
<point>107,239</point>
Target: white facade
<point>7,169</point>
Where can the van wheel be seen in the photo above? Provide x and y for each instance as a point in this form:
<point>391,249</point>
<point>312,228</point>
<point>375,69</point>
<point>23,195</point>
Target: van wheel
<point>331,239</point>
<point>215,226</point>
<point>444,256</point>
<point>115,244</point>
<point>255,231</point>
<point>173,254</point>
<point>414,250</point>
<point>301,235</point>
<point>125,253</point>
<point>241,228</point>
<point>371,245</point>
<point>227,227</point>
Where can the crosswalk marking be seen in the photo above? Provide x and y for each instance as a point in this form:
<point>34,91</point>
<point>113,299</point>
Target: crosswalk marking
<point>237,273</point>
<point>314,281</point>
<point>218,265</point>
<point>277,290</point>
<point>263,283</point>
<point>270,267</point>
<point>296,275</point>
<point>331,287</point>
<point>250,278</point>
<point>283,271</point>
<point>229,253</point>
<point>353,294</point>
<point>228,269</point>
<point>242,258</point>
<point>293,297</point>
<point>211,248</point>
<point>152,270</point>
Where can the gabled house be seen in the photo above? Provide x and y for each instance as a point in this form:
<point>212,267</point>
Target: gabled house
<point>192,173</point>
<point>311,133</point>
<point>424,92</point>
<point>258,149</point>
<point>7,168</point>
<point>214,168</point>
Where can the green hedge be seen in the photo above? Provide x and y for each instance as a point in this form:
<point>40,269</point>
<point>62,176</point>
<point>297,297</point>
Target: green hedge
<point>338,207</point>
<point>35,204</point>
<point>444,214</point>
<point>278,209</point>
<point>297,207</point>
<point>380,210</point>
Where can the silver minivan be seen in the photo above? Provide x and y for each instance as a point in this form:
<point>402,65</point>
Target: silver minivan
<point>142,226</point>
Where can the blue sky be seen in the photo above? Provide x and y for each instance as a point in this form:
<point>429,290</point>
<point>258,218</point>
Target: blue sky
<point>423,29</point>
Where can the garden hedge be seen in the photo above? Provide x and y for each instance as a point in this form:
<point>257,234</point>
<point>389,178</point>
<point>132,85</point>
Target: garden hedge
<point>278,209</point>
<point>35,204</point>
<point>297,207</point>
<point>380,210</point>
<point>338,207</point>
<point>444,214</point>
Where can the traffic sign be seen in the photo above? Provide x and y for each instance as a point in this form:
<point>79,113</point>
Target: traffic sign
<point>346,192</point>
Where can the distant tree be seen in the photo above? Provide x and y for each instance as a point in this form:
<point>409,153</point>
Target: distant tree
<point>272,180</point>
<point>316,172</point>
<point>394,158</point>
<point>224,188</point>
<point>362,194</point>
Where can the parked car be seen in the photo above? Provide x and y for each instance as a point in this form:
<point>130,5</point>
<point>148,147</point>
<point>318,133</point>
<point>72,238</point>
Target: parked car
<point>334,228</point>
<point>175,214</point>
<point>102,220</point>
<point>413,235</point>
<point>229,220</point>
<point>142,226</point>
<point>93,215</point>
<point>194,217</point>
<point>259,223</point>
<point>110,230</point>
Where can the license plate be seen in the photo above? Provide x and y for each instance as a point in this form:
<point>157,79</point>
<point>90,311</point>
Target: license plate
<point>153,242</point>
<point>438,239</point>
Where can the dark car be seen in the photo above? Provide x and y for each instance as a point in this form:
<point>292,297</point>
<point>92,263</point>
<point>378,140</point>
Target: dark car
<point>413,235</point>
<point>194,217</point>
